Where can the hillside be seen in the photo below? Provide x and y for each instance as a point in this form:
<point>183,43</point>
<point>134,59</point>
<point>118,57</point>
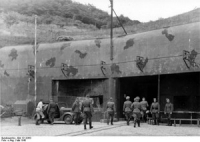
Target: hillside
<point>17,22</point>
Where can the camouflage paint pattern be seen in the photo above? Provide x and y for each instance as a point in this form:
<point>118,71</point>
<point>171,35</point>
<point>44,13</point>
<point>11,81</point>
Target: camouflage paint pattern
<point>163,47</point>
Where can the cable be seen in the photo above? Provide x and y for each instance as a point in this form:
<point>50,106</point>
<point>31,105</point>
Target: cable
<point>155,58</point>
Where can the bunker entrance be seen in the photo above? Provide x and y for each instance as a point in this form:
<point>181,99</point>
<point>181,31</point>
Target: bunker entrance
<point>142,86</point>
<point>183,90</point>
<point>66,91</point>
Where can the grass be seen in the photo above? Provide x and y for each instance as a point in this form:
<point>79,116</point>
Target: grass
<point>23,33</point>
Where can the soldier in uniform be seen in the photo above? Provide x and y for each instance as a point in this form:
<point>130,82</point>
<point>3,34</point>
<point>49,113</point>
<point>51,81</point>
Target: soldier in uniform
<point>51,110</point>
<point>168,111</point>
<point>127,109</point>
<point>144,105</point>
<point>155,110</point>
<point>76,110</point>
<point>110,111</point>
<point>87,110</point>
<point>136,107</point>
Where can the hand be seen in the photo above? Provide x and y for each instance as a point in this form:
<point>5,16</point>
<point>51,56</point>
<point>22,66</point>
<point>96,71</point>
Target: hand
<point>170,112</point>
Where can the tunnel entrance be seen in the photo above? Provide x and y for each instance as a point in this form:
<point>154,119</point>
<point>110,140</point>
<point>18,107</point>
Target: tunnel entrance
<point>142,86</point>
<point>64,92</point>
<point>183,90</point>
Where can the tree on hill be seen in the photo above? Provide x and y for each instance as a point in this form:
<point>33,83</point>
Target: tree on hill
<point>87,14</point>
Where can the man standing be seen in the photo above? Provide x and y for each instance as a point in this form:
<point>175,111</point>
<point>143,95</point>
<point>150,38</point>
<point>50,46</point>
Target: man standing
<point>168,111</point>
<point>87,109</point>
<point>110,111</point>
<point>39,111</point>
<point>127,109</point>
<point>136,107</point>
<point>76,110</point>
<point>40,108</point>
<point>155,110</point>
<point>144,105</point>
<point>51,110</point>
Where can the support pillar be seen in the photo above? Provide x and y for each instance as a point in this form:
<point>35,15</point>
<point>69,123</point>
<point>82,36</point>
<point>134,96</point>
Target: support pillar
<point>158,96</point>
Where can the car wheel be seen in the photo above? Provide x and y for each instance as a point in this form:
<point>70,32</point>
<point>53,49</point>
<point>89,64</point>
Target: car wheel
<point>68,119</point>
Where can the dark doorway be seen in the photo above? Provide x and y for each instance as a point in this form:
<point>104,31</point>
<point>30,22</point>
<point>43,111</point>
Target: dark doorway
<point>142,86</point>
<point>66,91</point>
<point>182,89</point>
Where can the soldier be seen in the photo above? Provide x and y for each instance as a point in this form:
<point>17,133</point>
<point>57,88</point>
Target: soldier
<point>168,111</point>
<point>127,109</point>
<point>136,107</point>
<point>51,110</point>
<point>155,110</point>
<point>76,110</point>
<point>110,111</point>
<point>87,110</point>
<point>144,105</point>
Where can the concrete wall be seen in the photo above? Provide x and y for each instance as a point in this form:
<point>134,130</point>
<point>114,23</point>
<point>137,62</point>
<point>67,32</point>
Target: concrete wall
<point>83,59</point>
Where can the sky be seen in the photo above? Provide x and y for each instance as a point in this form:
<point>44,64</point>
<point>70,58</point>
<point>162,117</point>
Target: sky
<point>145,10</point>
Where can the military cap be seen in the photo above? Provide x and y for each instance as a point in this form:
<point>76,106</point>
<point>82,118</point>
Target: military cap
<point>136,98</point>
<point>127,97</point>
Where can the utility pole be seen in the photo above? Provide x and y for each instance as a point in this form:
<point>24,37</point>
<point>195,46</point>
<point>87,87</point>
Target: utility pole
<point>35,59</point>
<point>111,80</point>
<point>111,31</point>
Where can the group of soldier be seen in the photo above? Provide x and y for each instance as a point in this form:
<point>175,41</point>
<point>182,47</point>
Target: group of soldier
<point>138,110</point>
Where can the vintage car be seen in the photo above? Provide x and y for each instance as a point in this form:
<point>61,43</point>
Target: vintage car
<point>62,114</point>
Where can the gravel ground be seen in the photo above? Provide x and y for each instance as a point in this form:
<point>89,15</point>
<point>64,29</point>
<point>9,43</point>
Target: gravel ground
<point>9,127</point>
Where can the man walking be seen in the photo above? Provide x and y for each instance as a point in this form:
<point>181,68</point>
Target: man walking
<point>110,111</point>
<point>168,111</point>
<point>87,109</point>
<point>155,110</point>
<point>144,105</point>
<point>76,110</point>
<point>127,109</point>
<point>136,107</point>
<point>51,111</point>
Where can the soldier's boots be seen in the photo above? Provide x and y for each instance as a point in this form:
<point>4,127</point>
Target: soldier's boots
<point>127,122</point>
<point>134,123</point>
<point>37,122</point>
<point>91,125</point>
<point>138,123</point>
<point>169,123</point>
<point>157,122</point>
<point>85,127</point>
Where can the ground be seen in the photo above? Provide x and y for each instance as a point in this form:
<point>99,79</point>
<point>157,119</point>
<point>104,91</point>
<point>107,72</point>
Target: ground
<point>9,127</point>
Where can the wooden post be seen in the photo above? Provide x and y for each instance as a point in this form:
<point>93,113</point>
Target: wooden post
<point>111,31</point>
<point>35,60</point>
